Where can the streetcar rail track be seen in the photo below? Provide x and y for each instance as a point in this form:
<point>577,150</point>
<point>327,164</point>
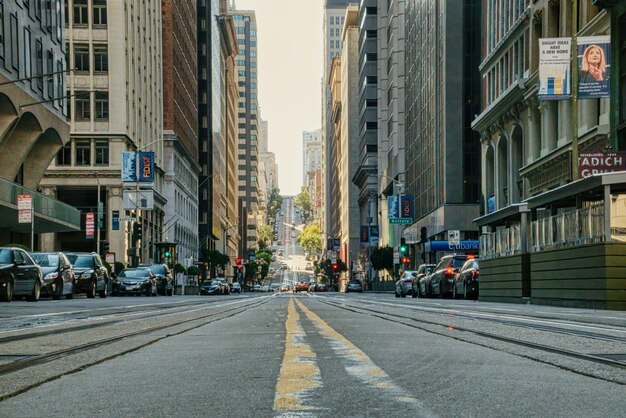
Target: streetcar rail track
<point>40,359</point>
<point>537,346</point>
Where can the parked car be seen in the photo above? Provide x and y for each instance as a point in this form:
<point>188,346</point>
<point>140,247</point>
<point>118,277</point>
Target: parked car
<point>58,274</point>
<point>235,287</point>
<point>138,281</point>
<point>255,288</point>
<point>19,275</point>
<point>225,286</point>
<point>301,287</point>
<point>308,266</point>
<point>312,286</point>
<point>267,288</point>
<point>320,287</point>
<point>284,287</point>
<point>442,279</point>
<point>424,284</point>
<point>354,286</point>
<point>164,277</point>
<point>211,287</point>
<point>404,285</point>
<point>422,271</point>
<point>91,275</point>
<point>466,280</point>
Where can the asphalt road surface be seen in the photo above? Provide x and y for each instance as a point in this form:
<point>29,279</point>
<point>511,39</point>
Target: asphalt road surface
<point>322,355</point>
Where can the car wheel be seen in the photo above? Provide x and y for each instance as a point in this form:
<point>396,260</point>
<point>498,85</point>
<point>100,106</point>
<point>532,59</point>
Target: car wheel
<point>414,293</point>
<point>58,291</point>
<point>397,294</point>
<point>148,291</point>
<point>403,294</point>
<point>91,293</point>
<point>103,292</point>
<point>7,295</point>
<point>34,296</point>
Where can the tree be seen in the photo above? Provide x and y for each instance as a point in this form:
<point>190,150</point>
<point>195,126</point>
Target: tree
<point>274,203</point>
<point>382,258</point>
<point>265,234</point>
<point>260,266</point>
<point>303,202</point>
<point>311,238</point>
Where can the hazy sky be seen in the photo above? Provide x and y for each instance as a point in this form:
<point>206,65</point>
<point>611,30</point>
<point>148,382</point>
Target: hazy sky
<point>290,56</point>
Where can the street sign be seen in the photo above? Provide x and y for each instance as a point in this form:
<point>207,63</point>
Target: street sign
<point>115,220</point>
<point>401,221</point>
<point>110,258</point>
<point>396,257</point>
<point>24,208</point>
<point>90,225</point>
<point>333,260</point>
<point>454,236</point>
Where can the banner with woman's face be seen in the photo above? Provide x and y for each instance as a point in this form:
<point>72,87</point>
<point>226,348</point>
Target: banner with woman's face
<point>594,62</point>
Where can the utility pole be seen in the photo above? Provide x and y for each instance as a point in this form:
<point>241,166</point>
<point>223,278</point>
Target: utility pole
<point>574,165</point>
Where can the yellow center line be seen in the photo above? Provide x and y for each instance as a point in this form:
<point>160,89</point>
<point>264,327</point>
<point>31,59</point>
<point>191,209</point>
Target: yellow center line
<point>360,366</point>
<point>299,373</point>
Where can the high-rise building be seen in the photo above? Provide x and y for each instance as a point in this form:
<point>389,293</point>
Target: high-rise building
<point>116,106</point>
<point>334,17</point>
<point>366,176</point>
<point>247,71</point>
<point>180,127</point>
<point>33,125</point>
<point>217,113</point>
<point>311,153</point>
<point>344,79</point>
<point>391,104</point>
<point>442,96</point>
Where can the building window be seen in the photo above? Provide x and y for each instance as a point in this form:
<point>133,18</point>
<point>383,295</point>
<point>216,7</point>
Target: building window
<point>39,60</point>
<point>102,105</point>
<point>27,53</point>
<point>82,105</point>
<point>371,103</point>
<point>15,44</point>
<point>83,152</point>
<point>80,12</point>
<point>60,88</point>
<point>99,12</point>
<point>50,70</point>
<point>64,156</point>
<point>102,151</point>
<point>81,57</point>
<point>100,58</point>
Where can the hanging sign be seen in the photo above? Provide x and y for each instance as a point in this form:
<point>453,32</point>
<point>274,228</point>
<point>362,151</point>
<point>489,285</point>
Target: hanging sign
<point>555,68</point>
<point>594,62</point>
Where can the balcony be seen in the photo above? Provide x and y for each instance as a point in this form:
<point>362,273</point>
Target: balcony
<point>50,215</point>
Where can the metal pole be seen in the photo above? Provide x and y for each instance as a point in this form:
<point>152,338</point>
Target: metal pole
<point>98,217</point>
<point>32,226</point>
<point>574,90</point>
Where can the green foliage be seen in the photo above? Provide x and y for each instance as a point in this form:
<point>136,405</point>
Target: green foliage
<point>382,258</point>
<point>193,271</point>
<point>326,267</point>
<point>216,258</point>
<point>303,202</point>
<point>265,234</point>
<point>179,268</point>
<point>311,238</point>
<point>274,203</point>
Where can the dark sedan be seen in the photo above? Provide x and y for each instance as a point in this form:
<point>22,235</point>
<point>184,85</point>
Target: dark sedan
<point>58,274</point>
<point>235,287</point>
<point>19,275</point>
<point>137,281</point>
<point>442,279</point>
<point>91,275</point>
<point>466,281</point>
<point>211,287</point>
<point>354,286</point>
<point>422,271</point>
<point>165,281</point>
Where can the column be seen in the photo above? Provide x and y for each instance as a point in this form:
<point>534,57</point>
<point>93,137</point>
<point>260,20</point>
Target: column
<point>117,238</point>
<point>565,122</point>
<point>48,242</point>
<point>549,127</point>
<point>533,132</point>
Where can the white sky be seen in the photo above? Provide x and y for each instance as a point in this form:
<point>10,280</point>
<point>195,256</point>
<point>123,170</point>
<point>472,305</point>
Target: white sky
<point>290,61</point>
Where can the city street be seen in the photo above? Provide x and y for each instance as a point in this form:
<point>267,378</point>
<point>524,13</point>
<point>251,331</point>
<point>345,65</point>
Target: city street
<point>280,354</point>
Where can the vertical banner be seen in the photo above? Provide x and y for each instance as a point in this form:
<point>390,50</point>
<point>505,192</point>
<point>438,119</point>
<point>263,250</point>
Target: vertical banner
<point>129,169</point>
<point>146,167</point>
<point>90,225</point>
<point>374,235</point>
<point>406,207</point>
<point>24,208</point>
<point>115,220</point>
<point>393,208</point>
<point>594,62</point>
<point>555,68</point>
<point>364,233</point>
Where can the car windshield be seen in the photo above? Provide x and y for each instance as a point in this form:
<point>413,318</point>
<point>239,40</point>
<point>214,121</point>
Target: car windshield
<point>134,273</point>
<point>458,262</point>
<point>81,260</point>
<point>156,269</point>
<point>5,256</point>
<point>46,260</point>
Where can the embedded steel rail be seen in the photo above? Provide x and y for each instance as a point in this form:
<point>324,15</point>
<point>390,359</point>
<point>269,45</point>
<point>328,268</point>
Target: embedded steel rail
<point>49,357</point>
<point>537,346</point>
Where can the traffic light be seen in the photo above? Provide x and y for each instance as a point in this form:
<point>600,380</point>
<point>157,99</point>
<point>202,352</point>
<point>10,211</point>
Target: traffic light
<point>335,266</point>
<point>423,237</point>
<point>406,260</point>
<point>137,233</point>
<point>403,246</point>
<point>104,246</point>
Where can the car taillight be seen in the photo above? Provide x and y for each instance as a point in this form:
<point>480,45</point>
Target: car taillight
<point>449,270</point>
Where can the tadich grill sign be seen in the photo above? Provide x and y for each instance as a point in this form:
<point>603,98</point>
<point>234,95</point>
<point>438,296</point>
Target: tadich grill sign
<point>590,164</point>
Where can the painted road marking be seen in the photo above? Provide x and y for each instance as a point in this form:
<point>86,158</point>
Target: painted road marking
<point>299,372</point>
<point>360,366</point>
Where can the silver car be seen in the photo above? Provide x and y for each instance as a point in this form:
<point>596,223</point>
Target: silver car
<point>404,285</point>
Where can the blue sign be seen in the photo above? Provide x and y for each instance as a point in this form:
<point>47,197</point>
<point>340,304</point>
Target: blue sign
<point>469,245</point>
<point>146,167</point>
<point>115,220</point>
<point>491,204</point>
<point>393,208</point>
<point>374,235</point>
<point>406,207</point>
<point>129,169</point>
